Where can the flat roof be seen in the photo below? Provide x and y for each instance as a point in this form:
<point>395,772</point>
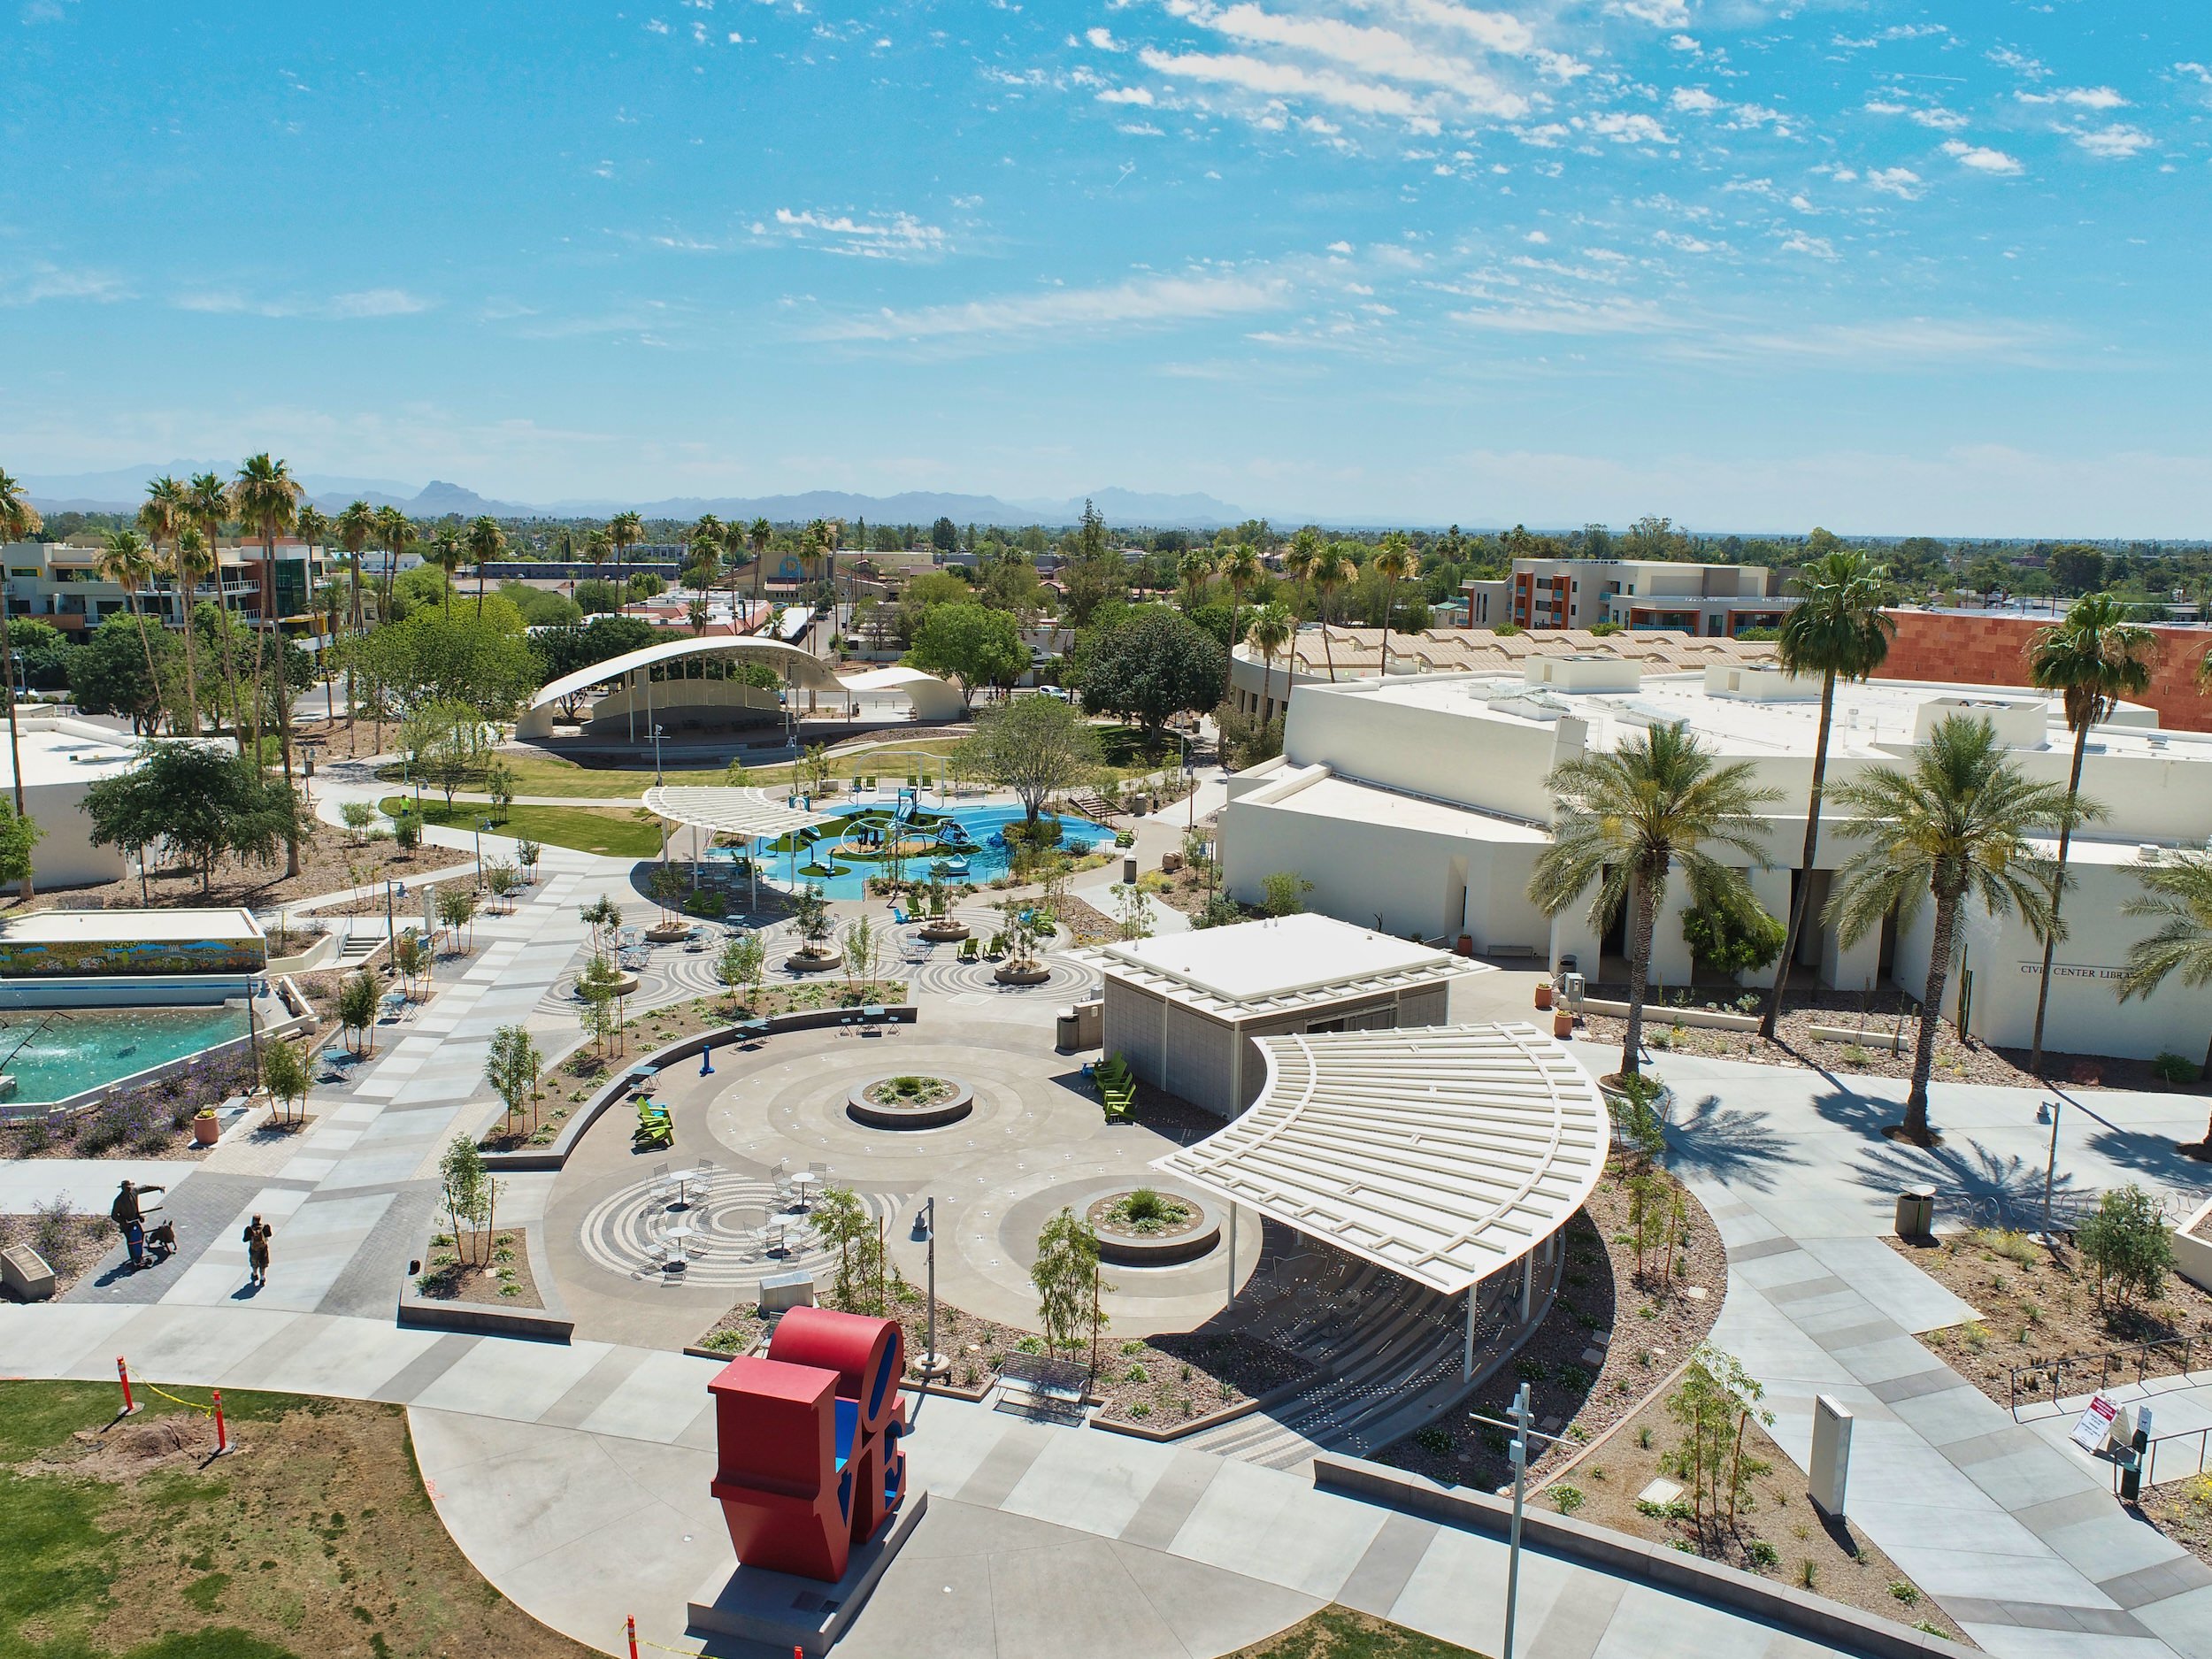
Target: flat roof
<point>79,927</point>
<point>64,751</point>
<point>1253,968</point>
<point>1440,1152</point>
<point>1367,804</point>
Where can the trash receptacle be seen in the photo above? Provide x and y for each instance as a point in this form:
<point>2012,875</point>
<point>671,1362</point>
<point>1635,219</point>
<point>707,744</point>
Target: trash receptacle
<point>1070,1037</point>
<point>1129,868</point>
<point>1916,1212</point>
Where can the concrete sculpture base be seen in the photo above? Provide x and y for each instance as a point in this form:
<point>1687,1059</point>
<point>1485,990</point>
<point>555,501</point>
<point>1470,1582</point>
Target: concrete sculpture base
<point>787,1612</point>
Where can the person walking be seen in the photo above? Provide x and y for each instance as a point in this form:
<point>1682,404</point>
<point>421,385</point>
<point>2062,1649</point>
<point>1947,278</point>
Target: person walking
<point>256,1236</point>
<point>129,1215</point>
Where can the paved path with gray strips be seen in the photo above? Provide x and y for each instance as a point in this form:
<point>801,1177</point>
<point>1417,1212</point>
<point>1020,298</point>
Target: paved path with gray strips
<point>576,1479</point>
<point>2020,1539</point>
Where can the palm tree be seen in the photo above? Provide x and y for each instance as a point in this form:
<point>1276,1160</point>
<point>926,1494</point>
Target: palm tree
<point>208,501</point>
<point>758,534</point>
<point>485,541</point>
<point>1839,632</point>
<point>268,498</point>
<point>2093,659</point>
<point>598,546</point>
<point>1393,562</point>
<point>2180,894</point>
<point>1957,824</point>
<point>1331,569</point>
<point>446,553</point>
<point>356,528</point>
<point>1241,569</point>
<point>128,561</point>
<point>20,521</point>
<point>1196,568</point>
<point>164,516</point>
<point>397,532</point>
<point>703,543</point>
<point>188,561</point>
<point>1272,627</point>
<point>1622,820</point>
<point>625,531</point>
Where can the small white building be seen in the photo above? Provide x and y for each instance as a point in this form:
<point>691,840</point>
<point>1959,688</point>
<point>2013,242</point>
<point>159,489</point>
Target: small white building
<point>62,758</point>
<point>1184,1008</point>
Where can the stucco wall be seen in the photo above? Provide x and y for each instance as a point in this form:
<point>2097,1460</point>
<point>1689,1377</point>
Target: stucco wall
<point>1992,650</point>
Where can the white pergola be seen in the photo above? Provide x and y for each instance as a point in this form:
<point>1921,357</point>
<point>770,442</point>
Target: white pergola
<point>755,813</point>
<point>1443,1153</point>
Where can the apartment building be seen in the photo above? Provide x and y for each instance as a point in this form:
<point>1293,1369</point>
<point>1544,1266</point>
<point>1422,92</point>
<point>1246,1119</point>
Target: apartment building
<point>1711,601</point>
<point>59,583</point>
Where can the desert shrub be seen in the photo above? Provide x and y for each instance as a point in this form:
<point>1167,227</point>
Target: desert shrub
<point>2126,1244</point>
<point>2174,1068</point>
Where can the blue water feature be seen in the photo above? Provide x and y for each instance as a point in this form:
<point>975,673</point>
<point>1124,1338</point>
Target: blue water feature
<point>979,841</point>
<point>87,1047</point>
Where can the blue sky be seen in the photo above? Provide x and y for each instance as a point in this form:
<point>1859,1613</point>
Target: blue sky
<point>1885,266</point>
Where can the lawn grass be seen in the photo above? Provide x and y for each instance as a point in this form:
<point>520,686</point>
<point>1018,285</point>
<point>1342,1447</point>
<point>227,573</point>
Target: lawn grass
<point>1339,1632</point>
<point>548,774</point>
<point>315,1539</point>
<point>610,831</point>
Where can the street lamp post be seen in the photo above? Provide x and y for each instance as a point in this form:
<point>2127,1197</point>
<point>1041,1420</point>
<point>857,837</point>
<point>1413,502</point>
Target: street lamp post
<point>925,1230</point>
<point>391,934</point>
<point>657,757</point>
<point>1518,1451</point>
<point>482,823</point>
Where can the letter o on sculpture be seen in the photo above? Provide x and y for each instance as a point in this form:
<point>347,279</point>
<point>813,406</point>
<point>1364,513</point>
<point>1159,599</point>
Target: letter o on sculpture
<point>867,1354</point>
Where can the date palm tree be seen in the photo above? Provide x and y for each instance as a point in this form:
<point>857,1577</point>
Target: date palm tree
<point>163,516</point>
<point>1330,570</point>
<point>758,534</point>
<point>485,542</point>
<point>397,532</point>
<point>1274,626</point>
<point>1837,631</point>
<point>2093,659</point>
<point>1622,821</point>
<point>189,560</point>
<point>1395,560</point>
<point>447,554</point>
<point>1957,824</point>
<point>1241,569</point>
<point>2178,893</point>
<point>268,499</point>
<point>1196,569</point>
<point>210,505</point>
<point>126,560</point>
<point>20,521</point>
<point>356,528</point>
<point>625,531</point>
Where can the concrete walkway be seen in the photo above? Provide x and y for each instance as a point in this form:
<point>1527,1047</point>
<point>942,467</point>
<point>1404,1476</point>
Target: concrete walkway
<point>2022,1543</point>
<point>575,1478</point>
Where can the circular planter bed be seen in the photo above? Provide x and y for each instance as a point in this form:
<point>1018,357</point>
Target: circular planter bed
<point>669,932</point>
<point>944,930</point>
<point>1007,973</point>
<point>1145,1228</point>
<point>807,962</point>
<point>909,1102</point>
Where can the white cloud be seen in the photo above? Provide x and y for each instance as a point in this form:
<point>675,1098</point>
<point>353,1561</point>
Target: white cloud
<point>1661,14</point>
<point>1980,159</point>
<point>1937,117</point>
<point>1495,31</point>
<point>1684,43</point>
<point>1681,242</point>
<point>1561,316</point>
<point>2115,142</point>
<point>1255,74</point>
<point>1103,41</point>
<point>1693,101</point>
<point>2080,97</point>
<point>2019,63</point>
<point>654,26</point>
<point>1139,302</point>
<point>1378,52</point>
<point>899,236</point>
<point>1126,95</point>
<point>1140,129</point>
<point>1624,128</point>
<point>44,282</point>
<point>1819,247</point>
<point>2202,71</point>
<point>1340,248</point>
<point>351,307</point>
<point>1538,237</point>
<point>1899,181</point>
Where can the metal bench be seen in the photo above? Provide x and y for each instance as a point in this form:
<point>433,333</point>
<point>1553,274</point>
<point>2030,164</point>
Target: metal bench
<point>1041,1389</point>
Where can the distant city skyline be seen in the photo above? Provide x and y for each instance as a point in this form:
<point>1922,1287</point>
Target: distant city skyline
<point>1888,267</point>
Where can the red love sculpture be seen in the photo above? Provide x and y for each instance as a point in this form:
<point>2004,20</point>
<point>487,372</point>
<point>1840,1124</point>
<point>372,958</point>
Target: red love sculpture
<point>808,1440</point>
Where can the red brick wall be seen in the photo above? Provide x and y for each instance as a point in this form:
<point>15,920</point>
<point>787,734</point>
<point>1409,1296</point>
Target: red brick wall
<point>1992,650</point>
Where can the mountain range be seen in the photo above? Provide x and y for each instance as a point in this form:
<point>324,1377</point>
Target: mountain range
<point>121,489</point>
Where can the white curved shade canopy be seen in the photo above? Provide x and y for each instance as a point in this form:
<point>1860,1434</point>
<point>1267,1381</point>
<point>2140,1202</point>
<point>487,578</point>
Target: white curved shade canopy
<point>805,668</point>
<point>1442,1153</point>
<point>730,811</point>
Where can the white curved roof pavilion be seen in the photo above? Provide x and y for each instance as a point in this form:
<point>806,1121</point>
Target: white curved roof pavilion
<point>762,814</point>
<point>805,669</point>
<point>1442,1152</point>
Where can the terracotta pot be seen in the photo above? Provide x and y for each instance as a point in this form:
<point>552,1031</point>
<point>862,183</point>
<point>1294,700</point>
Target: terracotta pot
<point>1466,946</point>
<point>1543,996</point>
<point>206,1128</point>
<point>1562,1025</point>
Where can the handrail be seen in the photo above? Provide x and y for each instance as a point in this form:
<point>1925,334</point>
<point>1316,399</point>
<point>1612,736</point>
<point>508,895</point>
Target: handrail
<point>2056,1369</point>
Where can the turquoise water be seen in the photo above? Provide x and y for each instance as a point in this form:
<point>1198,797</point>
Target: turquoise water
<point>986,858</point>
<point>85,1047</point>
